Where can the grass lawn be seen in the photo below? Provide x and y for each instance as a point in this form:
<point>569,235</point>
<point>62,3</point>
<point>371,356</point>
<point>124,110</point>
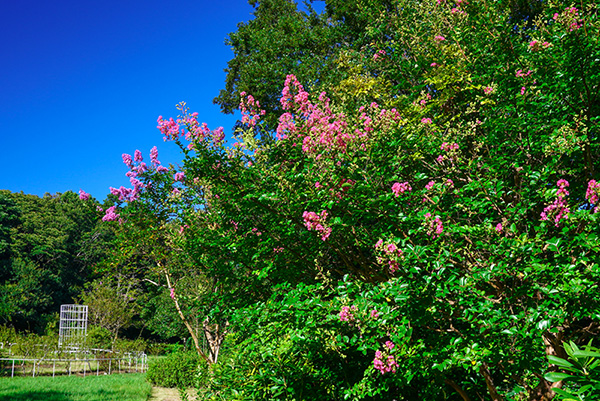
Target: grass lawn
<point>118,387</point>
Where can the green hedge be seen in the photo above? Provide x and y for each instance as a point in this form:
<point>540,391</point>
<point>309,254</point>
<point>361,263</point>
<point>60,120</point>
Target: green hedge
<point>176,370</point>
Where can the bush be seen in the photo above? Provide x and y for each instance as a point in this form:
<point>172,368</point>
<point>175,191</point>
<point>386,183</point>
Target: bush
<point>175,370</point>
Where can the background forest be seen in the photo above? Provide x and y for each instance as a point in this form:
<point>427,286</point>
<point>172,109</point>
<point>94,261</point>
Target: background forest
<point>408,211</point>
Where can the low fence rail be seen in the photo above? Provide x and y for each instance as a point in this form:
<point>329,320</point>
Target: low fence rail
<point>85,366</point>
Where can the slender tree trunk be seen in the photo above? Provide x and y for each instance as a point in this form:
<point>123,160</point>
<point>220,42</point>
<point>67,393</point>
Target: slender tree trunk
<point>185,322</point>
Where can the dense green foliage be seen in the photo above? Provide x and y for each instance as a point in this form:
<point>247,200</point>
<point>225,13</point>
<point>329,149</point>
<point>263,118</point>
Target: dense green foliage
<point>179,369</point>
<point>438,243</point>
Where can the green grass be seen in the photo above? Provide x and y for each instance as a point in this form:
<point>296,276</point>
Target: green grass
<point>123,387</point>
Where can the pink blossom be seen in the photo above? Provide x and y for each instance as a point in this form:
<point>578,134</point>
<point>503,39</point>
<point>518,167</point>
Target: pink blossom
<point>488,90</point>
<point>137,156</point>
<point>434,226</point>
<point>161,169</point>
<point>434,64</point>
<point>154,156</point>
<point>127,160</point>
<point>347,313</point>
<point>450,183</point>
<point>218,136</point>
<point>439,38</point>
<point>429,185</point>
<point>380,54</point>
<point>559,209</point>
<point>439,159</point>
<point>110,214</point>
<point>179,176</point>
<point>521,74</point>
<point>499,228</point>
<point>592,192</point>
<point>426,120</point>
<point>314,221</point>
<point>318,185</point>
<point>83,195</point>
<point>374,314</point>
<point>169,128</point>
<point>385,363</point>
<point>172,295</point>
<point>400,188</point>
<point>522,90</point>
<point>449,146</point>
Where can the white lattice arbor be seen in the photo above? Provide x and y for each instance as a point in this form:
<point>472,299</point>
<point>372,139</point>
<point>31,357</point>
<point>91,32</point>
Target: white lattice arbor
<point>73,326</point>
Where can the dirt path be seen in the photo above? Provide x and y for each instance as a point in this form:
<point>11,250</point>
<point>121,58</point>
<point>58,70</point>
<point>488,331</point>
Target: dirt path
<point>167,394</point>
<point>164,394</point>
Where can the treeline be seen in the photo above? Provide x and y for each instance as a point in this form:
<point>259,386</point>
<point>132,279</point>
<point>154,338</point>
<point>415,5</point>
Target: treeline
<point>50,246</point>
<point>57,250</point>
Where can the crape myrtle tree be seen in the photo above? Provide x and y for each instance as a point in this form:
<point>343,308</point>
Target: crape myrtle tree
<point>439,249</point>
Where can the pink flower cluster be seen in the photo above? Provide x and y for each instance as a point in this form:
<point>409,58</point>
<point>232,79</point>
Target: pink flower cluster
<point>521,74</point>
<point>374,313</point>
<point>194,131</point>
<point>250,108</point>
<point>172,295</point>
<point>536,45</point>
<point>439,38</point>
<point>569,18</point>
<point>137,167</point>
<point>218,137</point>
<point>322,131</point>
<point>390,254</point>
<point>488,90</point>
<point>592,193</point>
<point>399,188</point>
<point>434,225</point>
<point>447,147</point>
<point>384,362</point>
<point>154,156</point>
<point>423,102</point>
<point>498,228</point>
<point>347,313</point>
<point>380,54</point>
<point>110,214</point>
<point>426,121</point>
<point>169,128</point>
<point>559,209</point>
<point>316,222</point>
<point>180,176</point>
<point>83,195</point>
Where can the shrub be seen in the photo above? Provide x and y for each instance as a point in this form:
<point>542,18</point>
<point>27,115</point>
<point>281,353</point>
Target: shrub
<point>175,370</point>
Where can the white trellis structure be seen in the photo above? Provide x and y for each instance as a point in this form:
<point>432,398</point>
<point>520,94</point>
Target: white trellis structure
<point>73,326</point>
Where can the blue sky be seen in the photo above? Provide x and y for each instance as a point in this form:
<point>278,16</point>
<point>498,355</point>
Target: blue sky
<point>82,82</point>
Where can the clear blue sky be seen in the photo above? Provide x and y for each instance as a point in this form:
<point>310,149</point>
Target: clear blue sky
<point>82,82</point>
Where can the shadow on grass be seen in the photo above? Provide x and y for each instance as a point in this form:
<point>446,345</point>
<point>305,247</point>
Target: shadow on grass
<point>35,396</point>
<point>19,394</point>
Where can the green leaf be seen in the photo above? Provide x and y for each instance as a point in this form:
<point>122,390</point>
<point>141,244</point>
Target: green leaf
<point>556,376</point>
